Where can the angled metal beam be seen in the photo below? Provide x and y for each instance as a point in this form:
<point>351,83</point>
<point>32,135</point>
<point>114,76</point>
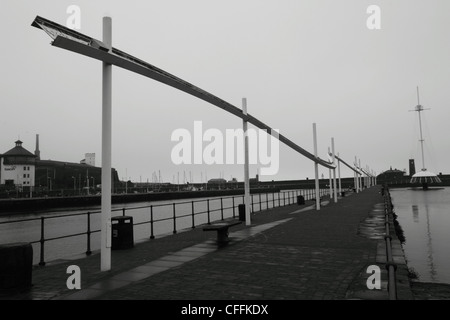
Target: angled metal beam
<point>349,166</point>
<point>79,43</point>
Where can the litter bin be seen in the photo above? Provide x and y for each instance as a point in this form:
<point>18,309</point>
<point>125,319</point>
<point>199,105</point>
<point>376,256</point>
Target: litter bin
<point>241,212</point>
<point>300,200</point>
<point>122,232</point>
<point>16,265</point>
<point>343,194</point>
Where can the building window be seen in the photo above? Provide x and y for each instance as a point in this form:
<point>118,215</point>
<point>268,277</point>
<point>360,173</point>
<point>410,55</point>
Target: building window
<point>28,175</point>
<point>24,175</point>
<point>28,168</point>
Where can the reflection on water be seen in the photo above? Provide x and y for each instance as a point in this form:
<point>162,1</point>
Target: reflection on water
<point>430,246</point>
<point>425,219</point>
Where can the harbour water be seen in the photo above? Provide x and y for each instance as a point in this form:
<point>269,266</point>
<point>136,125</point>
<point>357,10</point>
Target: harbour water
<point>70,221</point>
<point>425,219</point>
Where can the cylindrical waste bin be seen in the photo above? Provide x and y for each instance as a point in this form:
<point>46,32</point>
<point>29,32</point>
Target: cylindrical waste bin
<point>16,262</point>
<point>300,200</point>
<point>122,232</point>
<point>343,193</point>
<point>241,212</point>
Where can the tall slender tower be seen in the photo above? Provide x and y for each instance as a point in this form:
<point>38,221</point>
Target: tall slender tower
<point>412,167</point>
<point>37,152</point>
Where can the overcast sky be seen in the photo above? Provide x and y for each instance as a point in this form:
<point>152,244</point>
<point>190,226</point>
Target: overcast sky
<point>296,62</point>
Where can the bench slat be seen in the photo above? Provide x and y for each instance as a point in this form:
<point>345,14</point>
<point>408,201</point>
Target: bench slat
<point>218,226</point>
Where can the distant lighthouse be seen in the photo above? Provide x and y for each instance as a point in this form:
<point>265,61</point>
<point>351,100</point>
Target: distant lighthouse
<point>37,152</point>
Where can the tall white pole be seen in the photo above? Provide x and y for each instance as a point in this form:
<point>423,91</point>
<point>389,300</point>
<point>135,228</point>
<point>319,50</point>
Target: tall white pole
<point>246,166</point>
<point>339,174</point>
<point>105,251</point>
<point>360,177</point>
<point>419,108</point>
<point>331,184</point>
<point>316,169</point>
<point>356,176</point>
<point>334,170</point>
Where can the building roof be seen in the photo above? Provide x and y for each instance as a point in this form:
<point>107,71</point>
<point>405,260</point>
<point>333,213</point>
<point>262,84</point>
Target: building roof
<point>217,180</point>
<point>18,151</point>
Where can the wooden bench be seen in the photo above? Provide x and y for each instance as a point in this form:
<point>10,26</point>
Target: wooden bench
<point>222,230</point>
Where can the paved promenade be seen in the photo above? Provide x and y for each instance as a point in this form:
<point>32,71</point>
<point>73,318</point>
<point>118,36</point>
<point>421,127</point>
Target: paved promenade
<point>292,252</point>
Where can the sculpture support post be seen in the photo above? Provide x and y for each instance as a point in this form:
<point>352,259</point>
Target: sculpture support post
<point>105,250</point>
<point>246,167</point>
<point>339,174</point>
<point>334,171</point>
<point>316,169</point>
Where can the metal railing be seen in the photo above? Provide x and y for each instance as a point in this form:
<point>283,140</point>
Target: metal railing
<point>278,199</point>
<point>391,266</point>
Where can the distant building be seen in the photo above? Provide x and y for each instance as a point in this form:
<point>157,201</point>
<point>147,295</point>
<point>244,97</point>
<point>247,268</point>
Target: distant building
<point>21,169</point>
<point>254,180</point>
<point>17,167</point>
<point>392,176</point>
<point>89,159</point>
<point>217,181</point>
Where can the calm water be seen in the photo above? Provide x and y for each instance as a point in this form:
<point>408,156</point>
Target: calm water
<point>425,219</point>
<point>30,231</point>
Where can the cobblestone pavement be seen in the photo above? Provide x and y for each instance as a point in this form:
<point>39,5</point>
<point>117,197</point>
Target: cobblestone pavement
<point>292,252</point>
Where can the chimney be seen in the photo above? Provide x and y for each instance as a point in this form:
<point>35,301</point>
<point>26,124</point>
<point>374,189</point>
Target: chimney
<point>37,153</point>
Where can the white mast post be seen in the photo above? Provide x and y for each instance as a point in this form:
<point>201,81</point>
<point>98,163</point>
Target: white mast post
<point>339,174</point>
<point>105,251</point>
<point>334,170</point>
<point>246,167</point>
<point>316,169</point>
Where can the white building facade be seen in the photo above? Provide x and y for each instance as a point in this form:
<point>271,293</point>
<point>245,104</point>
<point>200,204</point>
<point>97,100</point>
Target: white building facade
<point>17,167</point>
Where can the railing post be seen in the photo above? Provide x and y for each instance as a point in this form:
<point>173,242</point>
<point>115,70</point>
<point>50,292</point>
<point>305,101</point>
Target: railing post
<point>267,201</point>
<point>279,199</point>
<point>209,219</point>
<point>284,198</point>
<point>88,251</point>
<point>234,209</point>
<point>273,199</point>
<point>174,220</point>
<point>221,208</point>
<point>152,236</point>
<point>42,262</point>
<point>123,212</point>
<point>253,204</point>
<point>193,220</point>
<point>260,207</point>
